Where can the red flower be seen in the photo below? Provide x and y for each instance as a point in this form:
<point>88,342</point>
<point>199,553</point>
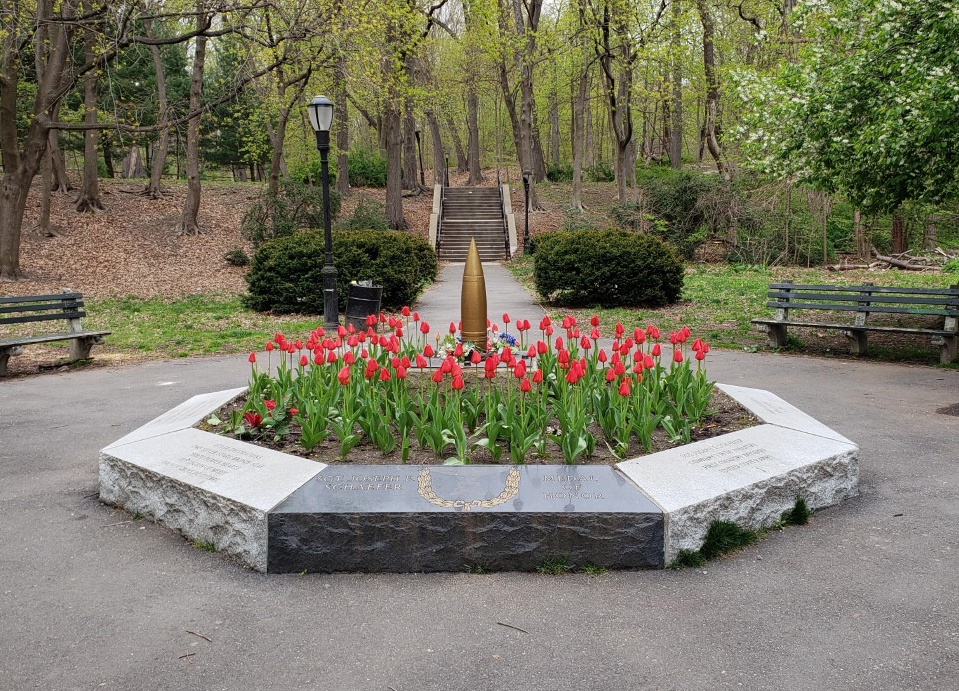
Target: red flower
<point>619,368</point>
<point>505,317</point>
<point>531,351</point>
<point>573,375</point>
<point>624,388</point>
<point>677,356</point>
<point>331,356</point>
<point>525,386</point>
<point>538,376</point>
<point>252,357</point>
<point>252,419</point>
<point>562,357</point>
<point>447,366</point>
<point>697,345</point>
<point>458,350</point>
<point>304,361</point>
<point>475,358</point>
<point>639,336</point>
<point>428,350</point>
<point>384,374</point>
<point>452,328</point>
<point>437,376</point>
<point>269,346</point>
<point>424,327</point>
<point>652,332</point>
<point>559,343</point>
<point>602,355</point>
<point>344,375</point>
<point>619,331</point>
<point>270,404</point>
<point>457,383</point>
<point>549,330</point>
<point>700,354</point>
<point>648,362</point>
<point>401,372</point>
<point>541,347</point>
<point>657,351</point>
<point>456,370</point>
<point>293,412</point>
<point>399,332</point>
<point>405,311</point>
<point>638,368</point>
<point>584,343</point>
<point>594,334</point>
<point>341,331</point>
<point>349,358</point>
<point>610,374</point>
<point>520,370</point>
<point>420,361</point>
<point>594,321</point>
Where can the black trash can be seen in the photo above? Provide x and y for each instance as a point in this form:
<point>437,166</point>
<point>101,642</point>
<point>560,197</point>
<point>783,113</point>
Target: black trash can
<point>361,302</point>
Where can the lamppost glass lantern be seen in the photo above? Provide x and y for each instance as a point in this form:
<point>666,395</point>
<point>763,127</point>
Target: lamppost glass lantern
<point>321,117</point>
<point>527,178</point>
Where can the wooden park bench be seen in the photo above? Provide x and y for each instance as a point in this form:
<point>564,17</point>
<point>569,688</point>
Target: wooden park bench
<point>65,306</point>
<point>859,302</point>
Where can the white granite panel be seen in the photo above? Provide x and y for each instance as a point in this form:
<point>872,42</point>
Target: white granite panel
<point>770,408</point>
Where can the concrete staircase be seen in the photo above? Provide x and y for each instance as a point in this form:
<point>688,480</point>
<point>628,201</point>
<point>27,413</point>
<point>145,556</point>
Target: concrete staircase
<point>472,212</point>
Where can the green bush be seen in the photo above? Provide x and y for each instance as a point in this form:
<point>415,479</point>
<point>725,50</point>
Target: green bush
<point>296,206</point>
<point>369,214</point>
<point>285,274</point>
<point>366,168</point>
<point>309,172</point>
<point>237,257</point>
<point>680,200</point>
<point>560,173</point>
<point>601,172</point>
<point>609,268</point>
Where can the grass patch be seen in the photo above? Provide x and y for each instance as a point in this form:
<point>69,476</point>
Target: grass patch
<point>204,545</point>
<point>556,566</point>
<point>799,514</point>
<point>719,300</point>
<point>592,570</point>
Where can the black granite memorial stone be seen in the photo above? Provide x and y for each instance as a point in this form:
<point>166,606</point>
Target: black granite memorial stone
<point>450,518</point>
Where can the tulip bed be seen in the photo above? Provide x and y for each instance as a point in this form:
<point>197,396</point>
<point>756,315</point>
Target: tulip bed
<point>548,394</point>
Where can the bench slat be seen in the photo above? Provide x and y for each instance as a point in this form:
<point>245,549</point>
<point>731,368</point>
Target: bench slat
<point>43,317</point>
<point>852,327</point>
<point>27,340</point>
<point>20,309</point>
<point>40,298</point>
<point>855,308</point>
<point>884,299</point>
<point>950,292</point>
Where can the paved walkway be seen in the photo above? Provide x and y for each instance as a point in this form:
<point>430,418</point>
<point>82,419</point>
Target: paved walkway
<point>864,597</point>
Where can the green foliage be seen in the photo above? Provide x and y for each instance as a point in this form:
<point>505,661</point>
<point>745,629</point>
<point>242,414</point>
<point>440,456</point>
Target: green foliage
<point>687,559</point>
<point>608,268</point>
<point>723,537</point>
<point>555,566</point>
<point>237,257</point>
<point>579,220</point>
<point>799,514</point>
<point>294,207</point>
<point>367,168</point>
<point>560,173</point>
<point>369,214</point>
<point>285,274</point>
<point>680,200</point>
<point>600,172</point>
<point>310,172</point>
<point>870,108</point>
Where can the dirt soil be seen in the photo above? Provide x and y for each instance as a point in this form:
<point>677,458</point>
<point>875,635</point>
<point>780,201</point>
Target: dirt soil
<point>726,416</point>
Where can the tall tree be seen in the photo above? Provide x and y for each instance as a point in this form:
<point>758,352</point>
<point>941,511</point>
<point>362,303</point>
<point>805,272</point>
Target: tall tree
<point>189,223</point>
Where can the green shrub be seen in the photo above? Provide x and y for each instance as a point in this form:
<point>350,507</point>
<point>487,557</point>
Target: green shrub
<point>369,214</point>
<point>285,274</point>
<point>296,206</point>
<point>608,268</point>
<point>579,220</point>
<point>560,173</point>
<point>679,200</point>
<point>308,172</point>
<point>366,168</point>
<point>237,257</point>
<point>600,172</point>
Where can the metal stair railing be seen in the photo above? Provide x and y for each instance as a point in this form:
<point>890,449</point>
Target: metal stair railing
<point>502,210</point>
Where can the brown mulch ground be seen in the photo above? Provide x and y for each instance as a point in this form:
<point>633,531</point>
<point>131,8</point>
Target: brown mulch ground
<point>132,248</point>
<point>727,416</point>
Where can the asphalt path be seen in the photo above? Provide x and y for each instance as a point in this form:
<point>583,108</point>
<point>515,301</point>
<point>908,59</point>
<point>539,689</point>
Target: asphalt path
<point>865,597</point>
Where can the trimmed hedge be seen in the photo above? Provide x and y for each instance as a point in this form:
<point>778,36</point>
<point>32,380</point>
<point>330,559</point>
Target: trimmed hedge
<point>609,268</point>
<point>285,274</point>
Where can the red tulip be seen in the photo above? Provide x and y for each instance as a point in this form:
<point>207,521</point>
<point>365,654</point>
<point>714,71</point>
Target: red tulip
<point>657,351</point>
<point>269,346</point>
<point>452,328</point>
<point>505,318</point>
<point>364,353</point>
<point>652,332</point>
<point>531,351</point>
<point>420,361</point>
<point>638,368</point>
<point>619,368</point>
<point>594,320</point>
<point>447,366</point>
<point>399,332</point>
<point>437,376</point>
<point>428,350</point>
<point>340,331</point>
<point>318,358</point>
<point>697,345</point>
<point>602,355</point>
<point>624,388</point>
<point>475,358</point>
<point>331,356</point>
<point>573,375</point>
<point>648,362</point>
<point>610,374</point>
<point>585,343</point>
<point>525,386</point>
<point>270,404</point>
<point>538,376</point>
<point>349,358</point>
<point>401,372</point>
<point>416,316</point>
<point>304,361</point>
<point>520,370</point>
<point>384,374</point>
<point>405,311</point>
<point>252,357</point>
<point>677,355</point>
<point>541,347</point>
<point>594,334</point>
<point>344,375</point>
<point>293,412</point>
<point>252,419</point>
<point>559,343</point>
<point>458,350</point>
<point>639,336</point>
<point>457,383</point>
<point>619,330</point>
<point>700,354</point>
<point>549,330</point>
<point>424,328</point>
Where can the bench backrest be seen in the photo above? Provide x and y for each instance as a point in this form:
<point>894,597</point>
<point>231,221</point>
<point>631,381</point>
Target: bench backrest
<point>39,308</point>
<point>866,298</point>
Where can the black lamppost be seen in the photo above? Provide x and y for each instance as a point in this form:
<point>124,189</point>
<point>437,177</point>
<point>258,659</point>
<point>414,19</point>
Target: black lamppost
<point>321,117</point>
<point>527,177</point>
<point>446,155</point>
<point>419,150</point>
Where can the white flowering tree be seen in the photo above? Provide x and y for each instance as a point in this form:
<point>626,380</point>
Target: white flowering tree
<point>870,109</point>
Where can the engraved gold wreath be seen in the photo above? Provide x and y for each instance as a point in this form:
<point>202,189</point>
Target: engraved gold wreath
<point>425,488</point>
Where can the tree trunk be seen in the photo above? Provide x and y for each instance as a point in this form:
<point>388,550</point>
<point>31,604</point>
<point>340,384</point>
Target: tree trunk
<point>579,108</point>
<point>899,244</point>
<point>676,130</point>
<point>394,167</point>
<point>108,160</point>
<point>929,233</point>
<point>191,205</point>
<point>472,126</point>
<point>411,175</point>
<point>89,199</point>
<point>554,129</point>
<point>462,164</point>
<point>439,160</point>
<point>861,242</point>
<point>152,188</point>
<point>712,90</point>
<point>342,127</point>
